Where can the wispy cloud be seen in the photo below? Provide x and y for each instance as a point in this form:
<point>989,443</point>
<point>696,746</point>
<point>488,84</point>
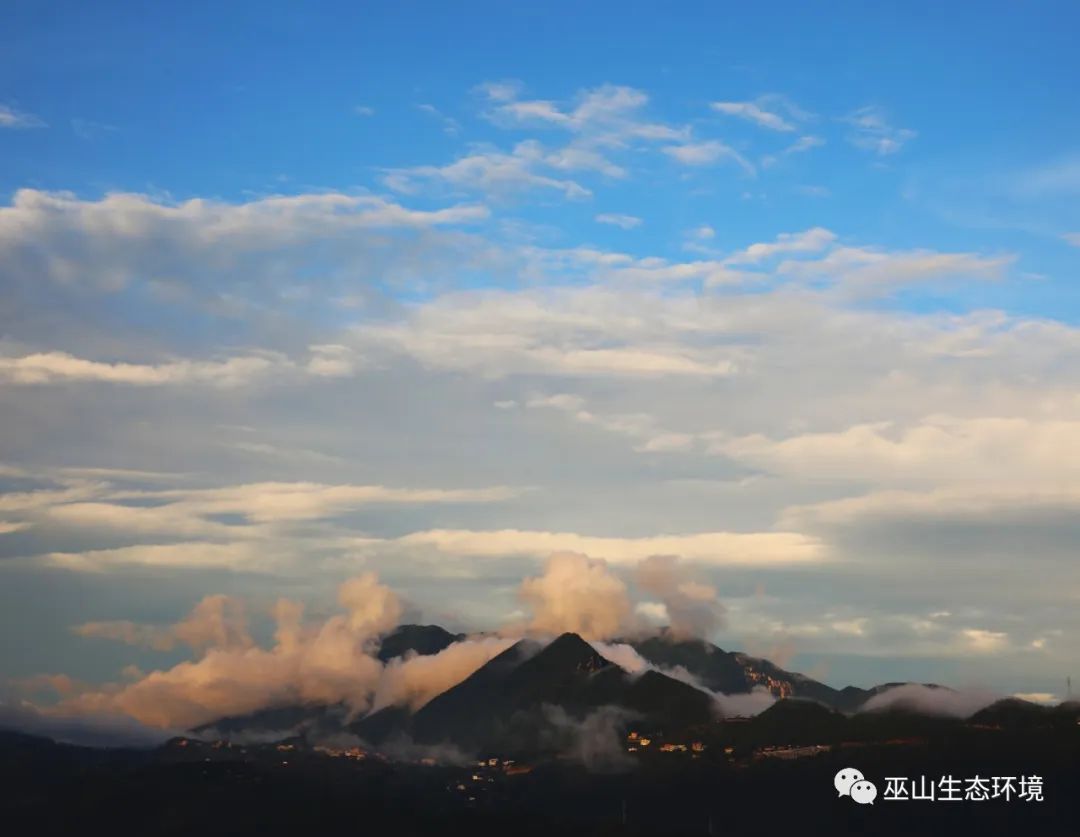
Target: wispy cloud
<point>450,126</point>
<point>499,91</point>
<point>626,222</point>
<point>706,153</point>
<point>11,117</point>
<point>752,112</point>
<point>871,131</point>
<point>496,173</point>
<point>88,129</point>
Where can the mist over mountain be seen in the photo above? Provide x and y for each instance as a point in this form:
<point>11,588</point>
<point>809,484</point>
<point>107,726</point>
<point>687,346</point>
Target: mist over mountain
<point>507,702</point>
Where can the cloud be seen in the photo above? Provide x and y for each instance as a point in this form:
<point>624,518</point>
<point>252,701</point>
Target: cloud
<point>363,110</point>
<point>40,368</point>
<point>595,741</point>
<point>383,331</point>
<point>640,427</point>
<point>194,555</point>
<point>693,608</point>
<point>88,129</point>
<point>414,680</point>
<point>217,621</point>
<point>1057,178</point>
<point>871,131</point>
<point>706,153</point>
<point>124,238</point>
<point>987,451</point>
<point>284,501</point>
<point>1072,238</point>
<point>53,367</point>
<point>801,145</point>
<point>736,705</point>
<point>500,91</point>
<point>450,126</point>
<point>982,641</point>
<point>325,663</point>
<point>626,222</point>
<point>255,527</point>
<point>563,331</point>
<point>810,241</point>
<point>607,115</point>
<point>495,173</point>
<point>931,700</point>
<point>868,270</point>
<point>760,549</point>
<point>753,113</point>
<point>10,117</point>
<point>578,594</point>
<point>804,143</point>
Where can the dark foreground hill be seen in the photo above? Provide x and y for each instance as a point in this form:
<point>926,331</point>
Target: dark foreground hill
<point>191,788</point>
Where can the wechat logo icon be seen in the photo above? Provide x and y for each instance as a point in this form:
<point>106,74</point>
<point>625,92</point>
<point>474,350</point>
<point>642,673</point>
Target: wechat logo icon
<point>851,782</point>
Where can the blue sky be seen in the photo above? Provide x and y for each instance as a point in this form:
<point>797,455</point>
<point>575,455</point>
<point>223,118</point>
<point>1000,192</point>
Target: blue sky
<point>788,292</point>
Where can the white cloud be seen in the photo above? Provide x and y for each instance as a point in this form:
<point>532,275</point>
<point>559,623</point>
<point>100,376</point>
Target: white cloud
<point>88,129</point>
<point>10,117</point>
<point>126,238</point>
<point>1072,238</point>
<point>329,662</point>
<point>754,113</point>
<point>626,222</point>
<point>364,110</point>
<point>52,367</point>
<point>607,115</point>
<point>759,549</point>
<point>868,270</point>
<point>871,131</point>
<point>937,701</point>
<point>986,450</point>
<point>194,555</point>
<point>325,361</point>
<point>577,594</point>
<point>271,501</point>
<point>216,621</point>
<point>804,143</point>
<point>706,153</point>
<point>810,241</point>
<point>449,125</point>
<point>492,172</point>
<point>500,91</point>
<point>801,145</point>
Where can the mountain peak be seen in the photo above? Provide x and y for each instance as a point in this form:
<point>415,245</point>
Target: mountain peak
<point>418,639</point>
<point>570,650</point>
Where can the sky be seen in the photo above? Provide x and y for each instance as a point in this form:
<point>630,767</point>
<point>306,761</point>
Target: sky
<point>291,294</point>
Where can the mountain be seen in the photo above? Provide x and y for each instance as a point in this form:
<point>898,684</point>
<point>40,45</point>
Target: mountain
<point>796,721</point>
<point>1014,713</point>
<point>277,720</point>
<point>506,697</point>
<point>504,700</point>
<point>732,672</point>
<point>419,639</point>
